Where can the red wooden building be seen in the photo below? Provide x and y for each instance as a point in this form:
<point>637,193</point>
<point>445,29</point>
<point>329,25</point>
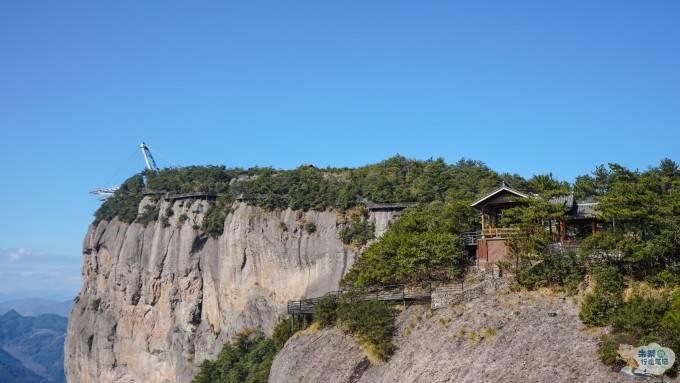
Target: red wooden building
<point>579,222</point>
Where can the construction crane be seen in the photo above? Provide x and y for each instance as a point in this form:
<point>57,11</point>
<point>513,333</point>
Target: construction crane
<point>148,158</point>
<point>106,192</point>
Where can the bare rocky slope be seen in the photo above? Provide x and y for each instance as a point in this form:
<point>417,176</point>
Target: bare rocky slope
<point>157,300</point>
<point>500,337</point>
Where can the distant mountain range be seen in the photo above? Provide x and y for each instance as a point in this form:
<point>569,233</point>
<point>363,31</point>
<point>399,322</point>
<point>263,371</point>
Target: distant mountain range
<point>32,348</point>
<point>36,307</point>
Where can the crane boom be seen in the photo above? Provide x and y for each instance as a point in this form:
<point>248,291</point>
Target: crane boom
<point>148,158</point>
<point>107,192</point>
<point>104,193</point>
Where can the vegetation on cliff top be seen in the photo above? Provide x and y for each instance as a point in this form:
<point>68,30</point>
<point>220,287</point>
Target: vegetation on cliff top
<point>396,179</point>
<point>124,203</point>
<point>633,265</point>
<point>639,294</point>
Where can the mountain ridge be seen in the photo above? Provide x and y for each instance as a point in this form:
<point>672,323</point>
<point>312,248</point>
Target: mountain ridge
<point>36,306</point>
<point>32,348</point>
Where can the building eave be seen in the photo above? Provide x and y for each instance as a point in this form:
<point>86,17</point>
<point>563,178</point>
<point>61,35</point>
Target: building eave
<point>498,190</point>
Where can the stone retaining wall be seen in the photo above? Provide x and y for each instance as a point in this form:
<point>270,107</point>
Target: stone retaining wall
<point>445,296</point>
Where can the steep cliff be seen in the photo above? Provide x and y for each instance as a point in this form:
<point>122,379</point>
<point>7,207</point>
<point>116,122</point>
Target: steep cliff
<point>157,300</point>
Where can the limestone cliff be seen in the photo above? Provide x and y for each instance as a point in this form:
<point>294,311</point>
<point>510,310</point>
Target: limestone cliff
<point>157,300</point>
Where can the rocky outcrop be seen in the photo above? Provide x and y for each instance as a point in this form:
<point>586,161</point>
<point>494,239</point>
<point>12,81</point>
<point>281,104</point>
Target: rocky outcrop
<point>500,337</point>
<point>308,351</point>
<point>157,300</point>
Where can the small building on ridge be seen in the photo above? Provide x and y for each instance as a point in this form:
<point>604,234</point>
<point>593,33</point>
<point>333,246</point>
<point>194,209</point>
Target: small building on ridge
<point>579,222</point>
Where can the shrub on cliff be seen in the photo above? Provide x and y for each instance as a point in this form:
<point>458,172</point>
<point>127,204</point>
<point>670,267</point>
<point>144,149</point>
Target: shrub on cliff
<point>149,214</point>
<point>422,245</point>
<point>213,220</point>
<point>599,307</point>
<point>359,230</point>
<point>214,179</point>
<point>372,322</point>
<point>641,320</point>
<point>639,317</point>
<point>247,360</point>
<point>561,270</point>
<point>124,203</point>
<point>325,311</point>
<point>608,349</point>
<point>641,244</point>
<point>285,328</point>
<point>309,227</point>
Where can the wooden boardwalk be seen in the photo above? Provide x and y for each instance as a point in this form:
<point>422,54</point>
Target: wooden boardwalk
<point>372,206</point>
<point>174,197</point>
<point>396,293</point>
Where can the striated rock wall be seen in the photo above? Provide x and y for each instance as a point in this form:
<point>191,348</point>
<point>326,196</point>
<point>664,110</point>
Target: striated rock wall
<point>158,300</point>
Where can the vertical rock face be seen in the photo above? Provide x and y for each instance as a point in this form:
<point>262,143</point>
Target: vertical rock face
<point>158,300</point>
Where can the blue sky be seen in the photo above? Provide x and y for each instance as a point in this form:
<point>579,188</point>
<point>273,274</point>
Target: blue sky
<point>526,86</point>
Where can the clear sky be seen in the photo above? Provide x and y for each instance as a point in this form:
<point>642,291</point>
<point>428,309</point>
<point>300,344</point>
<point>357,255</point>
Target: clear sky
<point>526,86</point>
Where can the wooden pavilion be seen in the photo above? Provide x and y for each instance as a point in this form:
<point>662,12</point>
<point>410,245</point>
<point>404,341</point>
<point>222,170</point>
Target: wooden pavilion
<point>579,222</point>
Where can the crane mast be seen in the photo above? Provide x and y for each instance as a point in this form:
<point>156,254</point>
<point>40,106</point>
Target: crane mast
<point>148,158</point>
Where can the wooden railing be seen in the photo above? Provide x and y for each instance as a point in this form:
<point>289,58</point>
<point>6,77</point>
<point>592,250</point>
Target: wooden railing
<point>173,197</point>
<point>499,232</point>
<point>401,293</point>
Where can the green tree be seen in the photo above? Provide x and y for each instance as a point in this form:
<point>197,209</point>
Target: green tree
<point>600,306</point>
<point>358,232</point>
<point>643,209</point>
<point>371,322</point>
<point>325,311</point>
<point>546,185</point>
<point>530,219</point>
<point>537,265</point>
<point>592,185</point>
<point>124,203</point>
<point>246,360</point>
<point>422,245</point>
<point>639,317</point>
